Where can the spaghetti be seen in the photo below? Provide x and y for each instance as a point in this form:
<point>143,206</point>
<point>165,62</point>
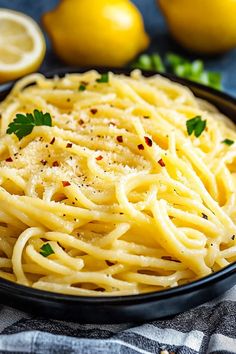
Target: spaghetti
<point>116,196</point>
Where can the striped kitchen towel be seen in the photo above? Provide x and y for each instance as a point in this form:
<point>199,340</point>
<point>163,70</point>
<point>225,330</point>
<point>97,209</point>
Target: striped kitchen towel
<point>207,329</point>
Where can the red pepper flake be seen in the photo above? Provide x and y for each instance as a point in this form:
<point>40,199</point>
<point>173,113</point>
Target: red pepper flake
<point>69,145</point>
<point>53,140</point>
<point>65,183</point>
<point>93,110</point>
<point>100,157</point>
<point>119,139</point>
<point>109,263</point>
<point>169,258</point>
<point>204,216</point>
<point>55,164</point>
<point>148,141</point>
<point>100,289</point>
<point>161,163</point>
<point>146,117</point>
<point>9,159</point>
<point>43,162</point>
<point>140,147</point>
<point>81,122</point>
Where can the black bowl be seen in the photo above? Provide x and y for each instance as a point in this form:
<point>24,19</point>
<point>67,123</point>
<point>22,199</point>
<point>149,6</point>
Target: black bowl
<point>130,308</point>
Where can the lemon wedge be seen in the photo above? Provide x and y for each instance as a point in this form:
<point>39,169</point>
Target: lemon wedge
<point>22,45</point>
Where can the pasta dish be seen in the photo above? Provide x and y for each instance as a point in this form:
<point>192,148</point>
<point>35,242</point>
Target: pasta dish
<point>114,184</point>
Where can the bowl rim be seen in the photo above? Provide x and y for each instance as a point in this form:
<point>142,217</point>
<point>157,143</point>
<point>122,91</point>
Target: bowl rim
<point>22,290</point>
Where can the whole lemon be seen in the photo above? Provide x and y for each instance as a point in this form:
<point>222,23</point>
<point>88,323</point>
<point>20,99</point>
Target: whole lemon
<point>96,32</point>
<point>203,26</point>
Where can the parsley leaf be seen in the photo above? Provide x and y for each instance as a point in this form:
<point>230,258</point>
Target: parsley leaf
<point>143,62</point>
<point>23,125</point>
<point>157,63</point>
<point>194,71</point>
<point>103,78</point>
<point>149,62</point>
<point>82,87</point>
<point>46,250</point>
<point>228,142</point>
<point>214,79</point>
<point>196,125</point>
<point>180,66</point>
<point>174,60</point>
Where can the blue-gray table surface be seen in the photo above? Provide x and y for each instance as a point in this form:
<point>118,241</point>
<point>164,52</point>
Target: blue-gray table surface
<point>207,329</point>
<point>155,26</point>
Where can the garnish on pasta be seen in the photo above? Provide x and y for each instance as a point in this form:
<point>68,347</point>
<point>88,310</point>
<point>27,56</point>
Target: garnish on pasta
<point>228,142</point>
<point>195,125</point>
<point>82,87</point>
<point>46,250</point>
<point>103,78</point>
<point>23,124</point>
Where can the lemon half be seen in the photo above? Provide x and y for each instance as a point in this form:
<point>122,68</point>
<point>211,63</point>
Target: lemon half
<point>22,45</point>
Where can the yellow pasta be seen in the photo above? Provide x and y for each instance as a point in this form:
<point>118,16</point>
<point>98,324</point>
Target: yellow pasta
<point>116,197</point>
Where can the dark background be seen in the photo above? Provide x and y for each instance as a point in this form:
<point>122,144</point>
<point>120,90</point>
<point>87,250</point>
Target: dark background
<point>155,26</point>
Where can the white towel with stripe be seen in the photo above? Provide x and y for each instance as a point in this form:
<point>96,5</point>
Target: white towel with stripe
<point>207,329</point>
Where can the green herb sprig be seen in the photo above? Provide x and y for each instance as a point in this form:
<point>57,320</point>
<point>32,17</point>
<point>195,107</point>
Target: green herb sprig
<point>181,67</point>
<point>23,124</point>
<point>149,62</point>
<point>82,87</point>
<point>103,78</point>
<point>228,142</point>
<point>46,250</point>
<point>196,125</point>
<point>194,71</point>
